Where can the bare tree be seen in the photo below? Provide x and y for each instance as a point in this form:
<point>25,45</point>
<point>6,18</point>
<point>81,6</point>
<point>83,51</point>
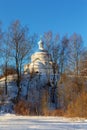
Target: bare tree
<point>83,63</point>
<point>5,66</point>
<point>4,50</point>
<point>1,43</point>
<point>63,54</point>
<point>52,45</point>
<point>20,48</point>
<point>76,46</point>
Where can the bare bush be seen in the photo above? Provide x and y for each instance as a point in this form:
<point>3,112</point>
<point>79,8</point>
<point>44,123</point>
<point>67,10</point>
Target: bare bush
<point>78,108</point>
<point>21,108</point>
<point>57,112</point>
<point>34,108</point>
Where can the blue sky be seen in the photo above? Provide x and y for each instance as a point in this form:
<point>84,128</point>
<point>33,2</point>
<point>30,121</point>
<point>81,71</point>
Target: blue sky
<point>59,16</point>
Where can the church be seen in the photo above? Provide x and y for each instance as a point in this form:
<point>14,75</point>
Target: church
<point>41,61</point>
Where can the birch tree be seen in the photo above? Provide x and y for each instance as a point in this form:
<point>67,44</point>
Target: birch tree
<point>20,48</point>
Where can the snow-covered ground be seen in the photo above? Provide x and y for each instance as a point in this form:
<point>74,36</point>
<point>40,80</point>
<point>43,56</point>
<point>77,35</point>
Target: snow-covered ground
<point>13,122</point>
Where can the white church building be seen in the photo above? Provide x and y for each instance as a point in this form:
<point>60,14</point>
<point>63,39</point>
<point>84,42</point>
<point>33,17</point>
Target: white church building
<point>41,61</point>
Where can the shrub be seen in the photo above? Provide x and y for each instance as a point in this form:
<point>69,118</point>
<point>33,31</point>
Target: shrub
<point>57,112</point>
<point>34,108</point>
<point>21,108</point>
<point>78,108</point>
<point>1,91</point>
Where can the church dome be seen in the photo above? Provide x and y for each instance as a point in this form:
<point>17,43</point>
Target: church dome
<point>40,43</point>
<point>41,47</point>
<point>41,53</point>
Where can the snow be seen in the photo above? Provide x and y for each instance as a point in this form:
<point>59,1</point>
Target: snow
<point>13,122</point>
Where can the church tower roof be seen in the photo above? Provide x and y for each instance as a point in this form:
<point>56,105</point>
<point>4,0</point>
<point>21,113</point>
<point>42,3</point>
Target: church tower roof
<point>41,46</point>
<point>40,43</point>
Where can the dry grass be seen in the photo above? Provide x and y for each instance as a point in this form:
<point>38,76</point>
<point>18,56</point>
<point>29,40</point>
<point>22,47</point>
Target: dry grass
<point>21,108</point>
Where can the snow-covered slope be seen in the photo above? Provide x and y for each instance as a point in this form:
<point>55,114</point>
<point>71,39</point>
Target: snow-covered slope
<point>29,86</point>
<point>13,122</point>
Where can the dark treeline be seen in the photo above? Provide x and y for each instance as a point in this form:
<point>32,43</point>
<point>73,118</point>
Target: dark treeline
<point>69,58</point>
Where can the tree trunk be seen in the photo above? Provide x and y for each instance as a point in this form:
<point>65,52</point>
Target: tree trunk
<point>6,80</point>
